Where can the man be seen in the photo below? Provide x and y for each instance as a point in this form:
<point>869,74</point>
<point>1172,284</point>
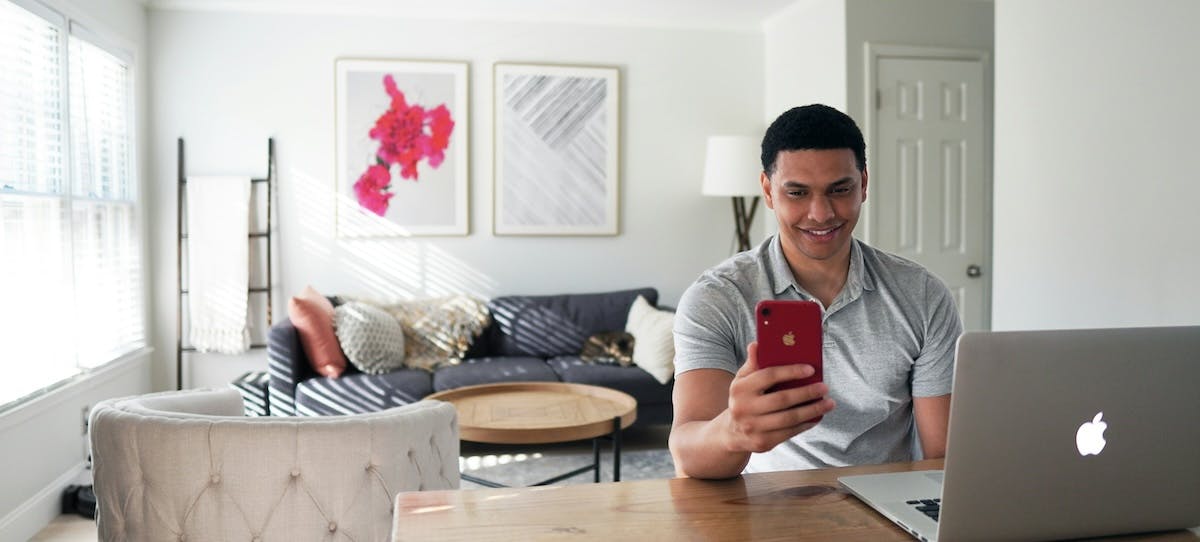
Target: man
<point>889,327</point>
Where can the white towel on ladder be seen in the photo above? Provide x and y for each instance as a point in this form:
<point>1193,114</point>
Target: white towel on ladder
<point>218,220</point>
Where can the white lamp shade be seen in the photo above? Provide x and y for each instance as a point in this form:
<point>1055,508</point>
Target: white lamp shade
<point>732,166</point>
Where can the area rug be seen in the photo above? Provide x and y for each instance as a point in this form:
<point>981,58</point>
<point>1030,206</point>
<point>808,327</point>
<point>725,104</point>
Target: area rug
<point>522,469</point>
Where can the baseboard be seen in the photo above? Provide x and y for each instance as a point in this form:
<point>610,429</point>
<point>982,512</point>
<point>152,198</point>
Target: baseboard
<point>34,514</point>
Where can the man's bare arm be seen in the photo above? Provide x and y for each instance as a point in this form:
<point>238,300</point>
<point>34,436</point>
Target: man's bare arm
<point>700,396</point>
<point>932,415</point>
<point>720,419</point>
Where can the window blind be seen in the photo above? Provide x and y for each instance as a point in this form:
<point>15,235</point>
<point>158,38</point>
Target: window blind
<point>70,259</point>
<point>108,286</point>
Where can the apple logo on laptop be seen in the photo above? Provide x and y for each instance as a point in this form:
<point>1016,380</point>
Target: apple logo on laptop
<point>1090,437</point>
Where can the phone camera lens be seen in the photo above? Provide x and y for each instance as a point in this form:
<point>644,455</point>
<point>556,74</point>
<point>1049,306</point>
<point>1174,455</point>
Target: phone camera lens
<point>766,312</point>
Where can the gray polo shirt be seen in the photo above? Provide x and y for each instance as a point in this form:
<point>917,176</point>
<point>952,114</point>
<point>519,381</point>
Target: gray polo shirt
<point>889,336</point>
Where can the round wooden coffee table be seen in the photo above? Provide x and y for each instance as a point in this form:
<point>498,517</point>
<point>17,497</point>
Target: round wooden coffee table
<point>542,413</point>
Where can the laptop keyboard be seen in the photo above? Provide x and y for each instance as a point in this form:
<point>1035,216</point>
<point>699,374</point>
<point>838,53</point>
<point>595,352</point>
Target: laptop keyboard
<point>929,507</point>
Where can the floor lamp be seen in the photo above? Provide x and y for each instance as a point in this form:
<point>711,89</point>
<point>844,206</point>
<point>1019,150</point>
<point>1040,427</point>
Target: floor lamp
<point>731,169</point>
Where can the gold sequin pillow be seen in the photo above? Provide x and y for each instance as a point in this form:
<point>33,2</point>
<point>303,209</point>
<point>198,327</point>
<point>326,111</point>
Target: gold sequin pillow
<point>438,331</point>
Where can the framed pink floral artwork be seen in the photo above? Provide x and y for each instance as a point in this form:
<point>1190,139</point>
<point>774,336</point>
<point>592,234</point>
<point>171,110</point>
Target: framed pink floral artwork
<point>401,148</point>
<point>556,150</point>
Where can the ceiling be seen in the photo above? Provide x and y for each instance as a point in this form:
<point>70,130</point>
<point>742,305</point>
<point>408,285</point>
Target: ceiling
<point>701,14</point>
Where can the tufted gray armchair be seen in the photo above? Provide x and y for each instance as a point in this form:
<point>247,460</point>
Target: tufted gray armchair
<point>185,465</point>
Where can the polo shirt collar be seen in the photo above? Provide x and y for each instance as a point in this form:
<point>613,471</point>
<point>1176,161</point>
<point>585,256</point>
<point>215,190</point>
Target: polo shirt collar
<point>782,278</point>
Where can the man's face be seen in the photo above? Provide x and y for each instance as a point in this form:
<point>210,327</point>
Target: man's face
<point>817,196</point>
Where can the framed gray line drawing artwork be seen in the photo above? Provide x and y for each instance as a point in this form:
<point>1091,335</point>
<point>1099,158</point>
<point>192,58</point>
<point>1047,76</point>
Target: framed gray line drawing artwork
<point>401,129</point>
<point>556,150</point>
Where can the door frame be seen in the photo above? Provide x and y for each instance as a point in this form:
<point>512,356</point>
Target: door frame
<point>873,53</point>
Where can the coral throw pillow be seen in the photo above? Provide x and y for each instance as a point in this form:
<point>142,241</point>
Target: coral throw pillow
<point>312,315</point>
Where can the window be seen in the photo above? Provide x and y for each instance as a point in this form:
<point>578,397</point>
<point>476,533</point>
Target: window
<point>71,284</point>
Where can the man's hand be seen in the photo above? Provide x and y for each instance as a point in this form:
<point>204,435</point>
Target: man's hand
<point>721,418</point>
<point>759,420</point>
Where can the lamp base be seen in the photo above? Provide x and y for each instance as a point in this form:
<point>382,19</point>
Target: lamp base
<point>742,218</point>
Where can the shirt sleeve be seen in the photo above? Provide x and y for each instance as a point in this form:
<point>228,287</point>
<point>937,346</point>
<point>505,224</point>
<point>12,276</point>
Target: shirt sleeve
<point>705,336</point>
<point>933,371</point>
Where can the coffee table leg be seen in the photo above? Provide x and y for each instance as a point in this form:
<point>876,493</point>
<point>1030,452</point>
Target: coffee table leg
<point>596,459</point>
<point>595,466</point>
<point>480,481</point>
<point>616,449</point>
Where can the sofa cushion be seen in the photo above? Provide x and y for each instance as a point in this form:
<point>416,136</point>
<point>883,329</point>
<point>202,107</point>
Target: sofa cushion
<point>354,393</point>
<point>631,380</point>
<point>556,325</point>
<point>489,370</point>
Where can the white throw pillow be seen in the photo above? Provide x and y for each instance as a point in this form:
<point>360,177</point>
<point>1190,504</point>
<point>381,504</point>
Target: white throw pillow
<point>371,338</point>
<point>654,341</point>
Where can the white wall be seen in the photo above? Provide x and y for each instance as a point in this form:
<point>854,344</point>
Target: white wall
<point>226,82</point>
<point>805,57</point>
<point>1095,200</point>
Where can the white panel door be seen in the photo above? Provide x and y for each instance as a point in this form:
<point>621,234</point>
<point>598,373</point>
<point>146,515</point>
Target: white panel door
<point>928,181</point>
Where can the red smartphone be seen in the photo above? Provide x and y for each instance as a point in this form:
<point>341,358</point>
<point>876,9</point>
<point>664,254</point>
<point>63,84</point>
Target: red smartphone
<point>789,332</point>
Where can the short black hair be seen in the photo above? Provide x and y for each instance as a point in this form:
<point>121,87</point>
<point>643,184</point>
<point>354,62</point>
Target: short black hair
<point>812,127</point>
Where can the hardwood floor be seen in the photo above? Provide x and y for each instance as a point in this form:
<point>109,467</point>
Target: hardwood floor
<point>68,529</point>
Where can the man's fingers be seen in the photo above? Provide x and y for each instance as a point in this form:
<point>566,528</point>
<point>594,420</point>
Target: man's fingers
<point>814,409</point>
<point>788,398</point>
<point>762,379</point>
<point>772,375</point>
<point>788,419</point>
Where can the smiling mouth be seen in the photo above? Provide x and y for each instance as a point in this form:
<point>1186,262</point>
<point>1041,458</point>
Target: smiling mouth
<point>821,233</point>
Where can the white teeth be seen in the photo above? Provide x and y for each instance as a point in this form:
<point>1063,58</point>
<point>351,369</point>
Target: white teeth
<point>821,232</point>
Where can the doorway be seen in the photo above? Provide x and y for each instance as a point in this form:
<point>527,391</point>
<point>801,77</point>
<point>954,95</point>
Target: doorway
<point>929,127</point>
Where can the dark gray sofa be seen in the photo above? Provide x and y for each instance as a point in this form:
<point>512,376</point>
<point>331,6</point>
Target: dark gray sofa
<point>531,338</point>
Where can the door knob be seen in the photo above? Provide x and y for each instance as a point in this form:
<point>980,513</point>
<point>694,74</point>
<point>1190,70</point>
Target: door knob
<point>974,271</point>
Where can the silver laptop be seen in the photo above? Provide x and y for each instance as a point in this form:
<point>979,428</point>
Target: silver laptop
<point>1059,434</point>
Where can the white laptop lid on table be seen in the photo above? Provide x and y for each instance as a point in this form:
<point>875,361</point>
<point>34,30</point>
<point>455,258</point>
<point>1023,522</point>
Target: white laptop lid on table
<point>1064,434</point>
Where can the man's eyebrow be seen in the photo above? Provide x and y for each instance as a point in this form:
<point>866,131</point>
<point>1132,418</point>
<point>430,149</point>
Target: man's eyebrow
<point>835,184</point>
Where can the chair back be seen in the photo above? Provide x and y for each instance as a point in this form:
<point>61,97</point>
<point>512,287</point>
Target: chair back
<point>186,465</point>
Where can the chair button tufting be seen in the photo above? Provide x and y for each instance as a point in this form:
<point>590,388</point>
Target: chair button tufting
<point>256,539</point>
<point>295,473</point>
<point>183,538</point>
<point>332,526</point>
<point>216,479</point>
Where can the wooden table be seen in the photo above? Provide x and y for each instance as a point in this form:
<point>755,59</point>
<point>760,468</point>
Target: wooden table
<point>543,413</point>
<point>792,505</point>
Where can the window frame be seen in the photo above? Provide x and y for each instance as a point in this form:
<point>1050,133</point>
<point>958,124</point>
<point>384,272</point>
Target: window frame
<point>71,26</point>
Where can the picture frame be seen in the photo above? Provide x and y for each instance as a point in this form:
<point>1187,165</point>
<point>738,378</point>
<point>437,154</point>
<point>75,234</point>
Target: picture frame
<point>557,146</point>
<point>402,133</point>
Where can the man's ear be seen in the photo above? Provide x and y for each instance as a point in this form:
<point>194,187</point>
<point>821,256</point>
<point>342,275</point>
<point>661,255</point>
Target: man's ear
<point>864,184</point>
<point>765,182</point>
